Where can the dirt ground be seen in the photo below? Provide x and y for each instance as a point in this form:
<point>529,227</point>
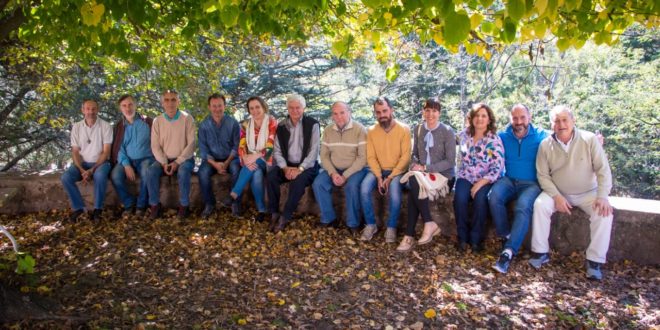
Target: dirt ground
<point>231,273</point>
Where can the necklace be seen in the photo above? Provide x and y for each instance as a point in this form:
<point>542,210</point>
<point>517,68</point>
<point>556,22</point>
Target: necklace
<point>87,133</point>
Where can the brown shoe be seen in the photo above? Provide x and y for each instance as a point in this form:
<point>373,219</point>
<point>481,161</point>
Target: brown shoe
<point>273,221</point>
<point>281,224</point>
<point>430,229</point>
<point>406,244</point>
<point>155,212</point>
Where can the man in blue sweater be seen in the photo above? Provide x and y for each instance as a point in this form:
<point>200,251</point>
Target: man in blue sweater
<point>521,143</point>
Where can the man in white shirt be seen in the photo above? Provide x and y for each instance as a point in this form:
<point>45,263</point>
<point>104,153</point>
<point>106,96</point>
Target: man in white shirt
<point>91,139</point>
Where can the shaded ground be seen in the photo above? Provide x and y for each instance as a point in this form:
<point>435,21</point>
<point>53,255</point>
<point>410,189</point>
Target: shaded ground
<point>231,273</point>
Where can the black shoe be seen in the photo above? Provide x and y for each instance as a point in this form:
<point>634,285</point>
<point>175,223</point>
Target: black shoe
<point>478,248</point>
<point>461,247</point>
<point>236,208</point>
<point>260,217</point>
<point>96,215</point>
<point>503,263</point>
<point>227,201</point>
<point>140,211</point>
<point>355,231</point>
<point>281,224</point>
<point>332,224</point>
<point>155,211</point>
<point>208,211</point>
<point>184,212</point>
<point>73,217</point>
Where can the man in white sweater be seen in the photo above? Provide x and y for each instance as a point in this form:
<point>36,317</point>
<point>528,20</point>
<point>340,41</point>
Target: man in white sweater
<point>572,170</point>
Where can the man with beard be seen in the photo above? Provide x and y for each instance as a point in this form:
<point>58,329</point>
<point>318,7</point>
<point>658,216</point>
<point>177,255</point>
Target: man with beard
<point>388,155</point>
<point>521,142</point>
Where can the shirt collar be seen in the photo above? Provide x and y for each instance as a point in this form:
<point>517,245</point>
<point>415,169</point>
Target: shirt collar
<point>176,116</point>
<point>347,126</point>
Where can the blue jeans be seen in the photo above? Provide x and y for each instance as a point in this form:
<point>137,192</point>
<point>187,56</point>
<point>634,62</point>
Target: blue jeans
<point>504,191</point>
<point>256,180</point>
<point>470,231</point>
<point>205,173</point>
<point>100,176</point>
<point>369,183</point>
<point>183,173</point>
<point>323,192</point>
<point>118,176</point>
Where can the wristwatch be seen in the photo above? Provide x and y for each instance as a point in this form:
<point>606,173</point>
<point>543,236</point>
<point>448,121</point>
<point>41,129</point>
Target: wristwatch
<point>301,169</point>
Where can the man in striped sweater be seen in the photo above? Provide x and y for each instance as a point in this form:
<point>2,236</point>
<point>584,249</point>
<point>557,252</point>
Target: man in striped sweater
<point>343,159</point>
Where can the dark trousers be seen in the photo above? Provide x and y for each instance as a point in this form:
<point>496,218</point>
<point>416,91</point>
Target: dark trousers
<point>296,189</point>
<point>418,206</point>
<point>472,232</point>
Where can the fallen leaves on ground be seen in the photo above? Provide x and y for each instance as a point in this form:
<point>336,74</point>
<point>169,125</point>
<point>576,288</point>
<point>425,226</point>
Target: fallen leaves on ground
<point>231,273</point>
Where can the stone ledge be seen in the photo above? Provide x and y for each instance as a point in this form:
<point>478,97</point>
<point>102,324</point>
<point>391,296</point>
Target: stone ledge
<point>634,233</point>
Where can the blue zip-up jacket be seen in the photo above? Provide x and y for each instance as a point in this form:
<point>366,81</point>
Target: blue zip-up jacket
<point>520,154</point>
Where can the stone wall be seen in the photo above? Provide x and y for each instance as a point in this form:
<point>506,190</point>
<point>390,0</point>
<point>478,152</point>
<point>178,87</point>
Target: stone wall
<point>634,233</point>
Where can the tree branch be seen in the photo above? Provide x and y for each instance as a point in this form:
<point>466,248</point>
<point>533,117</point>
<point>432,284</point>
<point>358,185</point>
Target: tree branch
<point>26,152</point>
<point>12,104</point>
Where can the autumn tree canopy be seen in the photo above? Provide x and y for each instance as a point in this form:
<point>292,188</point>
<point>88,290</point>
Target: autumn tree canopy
<point>137,31</point>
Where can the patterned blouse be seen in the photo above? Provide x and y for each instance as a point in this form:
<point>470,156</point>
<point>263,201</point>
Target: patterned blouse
<point>267,152</point>
<point>485,159</point>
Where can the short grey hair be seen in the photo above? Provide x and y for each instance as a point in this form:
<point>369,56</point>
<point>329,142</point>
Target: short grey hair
<point>348,106</point>
<point>296,97</point>
<point>520,105</point>
<point>559,109</point>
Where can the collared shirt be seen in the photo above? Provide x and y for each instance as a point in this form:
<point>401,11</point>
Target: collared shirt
<point>563,145</point>
<point>176,116</point>
<point>137,141</point>
<point>219,141</point>
<point>296,146</point>
<point>90,140</point>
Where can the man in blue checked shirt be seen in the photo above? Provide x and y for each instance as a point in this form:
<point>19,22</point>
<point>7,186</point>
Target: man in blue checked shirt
<point>133,146</point>
<point>218,137</point>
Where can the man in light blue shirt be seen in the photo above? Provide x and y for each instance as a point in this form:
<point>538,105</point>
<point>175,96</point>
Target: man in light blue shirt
<point>218,137</point>
<point>133,141</point>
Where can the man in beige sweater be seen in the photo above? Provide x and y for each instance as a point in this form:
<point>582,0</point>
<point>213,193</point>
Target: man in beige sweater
<point>172,143</point>
<point>572,170</point>
<point>388,155</point>
<point>344,160</point>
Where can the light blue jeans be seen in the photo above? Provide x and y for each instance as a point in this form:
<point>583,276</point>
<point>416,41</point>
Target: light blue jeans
<point>369,183</point>
<point>100,176</point>
<point>323,192</point>
<point>118,176</point>
<point>256,180</point>
<point>183,174</point>
<point>503,191</point>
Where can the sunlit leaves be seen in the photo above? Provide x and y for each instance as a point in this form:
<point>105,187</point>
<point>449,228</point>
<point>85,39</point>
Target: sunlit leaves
<point>515,9</point>
<point>92,13</point>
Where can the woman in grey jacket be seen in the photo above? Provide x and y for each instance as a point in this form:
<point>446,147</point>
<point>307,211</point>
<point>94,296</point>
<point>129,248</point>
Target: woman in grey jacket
<point>434,151</point>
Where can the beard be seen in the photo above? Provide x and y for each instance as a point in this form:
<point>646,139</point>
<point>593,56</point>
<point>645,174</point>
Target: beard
<point>385,122</point>
<point>522,128</point>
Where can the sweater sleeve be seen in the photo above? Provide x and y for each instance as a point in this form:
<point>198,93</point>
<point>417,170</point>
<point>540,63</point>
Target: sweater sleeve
<point>543,171</point>
<point>189,149</point>
<point>414,159</point>
<point>361,159</point>
<point>372,159</point>
<point>404,160</point>
<point>156,148</point>
<point>601,167</point>
<point>326,162</point>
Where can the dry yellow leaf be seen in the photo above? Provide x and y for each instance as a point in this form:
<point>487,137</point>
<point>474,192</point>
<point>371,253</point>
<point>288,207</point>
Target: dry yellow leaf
<point>430,313</point>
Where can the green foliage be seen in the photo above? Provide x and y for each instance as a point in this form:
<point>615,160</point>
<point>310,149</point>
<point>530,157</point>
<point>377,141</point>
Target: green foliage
<point>24,263</point>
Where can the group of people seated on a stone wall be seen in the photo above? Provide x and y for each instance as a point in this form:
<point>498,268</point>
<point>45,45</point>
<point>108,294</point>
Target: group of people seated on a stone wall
<point>543,171</point>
